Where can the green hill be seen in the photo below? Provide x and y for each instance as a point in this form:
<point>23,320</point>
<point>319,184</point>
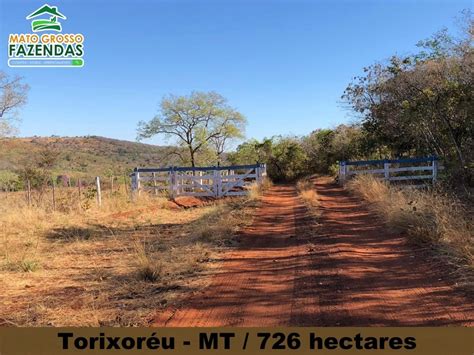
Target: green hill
<point>84,156</point>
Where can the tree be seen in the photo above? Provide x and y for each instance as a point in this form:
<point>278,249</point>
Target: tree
<point>39,170</point>
<point>423,103</point>
<point>318,147</point>
<point>13,95</point>
<point>326,147</point>
<point>288,160</point>
<point>284,156</point>
<point>196,121</point>
<point>229,132</point>
<point>251,152</point>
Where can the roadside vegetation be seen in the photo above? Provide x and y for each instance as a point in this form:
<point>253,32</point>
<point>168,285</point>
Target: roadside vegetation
<point>70,258</point>
<point>411,106</point>
<point>309,195</point>
<point>432,218</point>
<point>66,261</point>
<point>256,190</point>
<point>113,265</point>
<point>416,105</point>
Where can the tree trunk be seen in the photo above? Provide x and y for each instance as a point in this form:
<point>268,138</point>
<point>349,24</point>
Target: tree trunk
<point>191,154</point>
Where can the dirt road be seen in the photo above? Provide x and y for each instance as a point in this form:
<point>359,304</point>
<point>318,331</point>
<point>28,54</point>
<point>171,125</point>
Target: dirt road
<point>347,271</point>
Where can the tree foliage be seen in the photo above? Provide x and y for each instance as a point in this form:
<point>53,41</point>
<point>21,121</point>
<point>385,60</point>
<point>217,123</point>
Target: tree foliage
<point>423,103</point>
<point>13,95</point>
<point>39,171</point>
<point>326,147</point>
<point>285,158</point>
<point>199,122</point>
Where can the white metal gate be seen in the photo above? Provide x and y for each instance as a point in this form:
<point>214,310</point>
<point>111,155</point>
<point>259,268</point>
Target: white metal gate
<point>198,181</point>
<point>397,170</point>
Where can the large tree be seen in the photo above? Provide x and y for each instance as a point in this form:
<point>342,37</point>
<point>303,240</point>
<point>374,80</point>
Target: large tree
<point>197,122</point>
<point>423,103</point>
<point>13,95</point>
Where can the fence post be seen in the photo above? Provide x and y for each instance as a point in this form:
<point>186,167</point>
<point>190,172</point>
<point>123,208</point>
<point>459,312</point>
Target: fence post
<point>132,185</point>
<point>342,172</point>
<point>217,183</point>
<point>137,177</point>
<point>155,190</point>
<point>99,194</point>
<point>386,171</point>
<point>172,183</point>
<point>28,196</point>
<point>435,169</point>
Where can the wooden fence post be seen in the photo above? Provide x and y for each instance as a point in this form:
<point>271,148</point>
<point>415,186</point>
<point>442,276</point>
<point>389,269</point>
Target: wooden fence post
<point>133,185</point>
<point>28,194</point>
<point>99,194</point>
<point>54,194</point>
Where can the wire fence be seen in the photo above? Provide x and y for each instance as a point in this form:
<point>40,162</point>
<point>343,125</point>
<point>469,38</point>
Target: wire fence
<point>60,193</point>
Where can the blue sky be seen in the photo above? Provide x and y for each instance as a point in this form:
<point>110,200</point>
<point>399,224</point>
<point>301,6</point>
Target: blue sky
<point>284,64</point>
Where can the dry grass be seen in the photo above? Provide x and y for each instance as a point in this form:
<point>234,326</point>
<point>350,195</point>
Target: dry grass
<point>256,190</point>
<point>308,193</point>
<point>430,217</point>
<point>113,265</point>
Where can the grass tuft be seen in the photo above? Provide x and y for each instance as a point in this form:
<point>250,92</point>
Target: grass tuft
<point>28,265</point>
<point>149,267</point>
<point>256,190</point>
<point>308,193</point>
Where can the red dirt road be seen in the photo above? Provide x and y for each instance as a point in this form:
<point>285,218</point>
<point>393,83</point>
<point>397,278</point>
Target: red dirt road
<point>347,271</point>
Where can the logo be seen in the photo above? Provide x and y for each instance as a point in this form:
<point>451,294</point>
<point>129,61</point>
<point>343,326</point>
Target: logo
<point>43,25</point>
<point>43,48</point>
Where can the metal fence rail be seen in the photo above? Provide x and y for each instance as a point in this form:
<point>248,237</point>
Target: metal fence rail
<point>215,181</point>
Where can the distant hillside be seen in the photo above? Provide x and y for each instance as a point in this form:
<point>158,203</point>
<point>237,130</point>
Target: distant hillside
<point>85,156</point>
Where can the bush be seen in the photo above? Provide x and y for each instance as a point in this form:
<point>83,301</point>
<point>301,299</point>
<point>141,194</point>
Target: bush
<point>285,158</point>
<point>10,181</point>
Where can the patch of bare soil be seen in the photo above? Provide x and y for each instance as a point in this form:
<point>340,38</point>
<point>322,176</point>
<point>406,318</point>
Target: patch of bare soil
<point>191,201</point>
<point>348,270</point>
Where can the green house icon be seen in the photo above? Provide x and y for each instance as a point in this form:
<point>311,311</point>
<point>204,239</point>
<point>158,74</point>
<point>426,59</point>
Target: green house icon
<point>50,24</point>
